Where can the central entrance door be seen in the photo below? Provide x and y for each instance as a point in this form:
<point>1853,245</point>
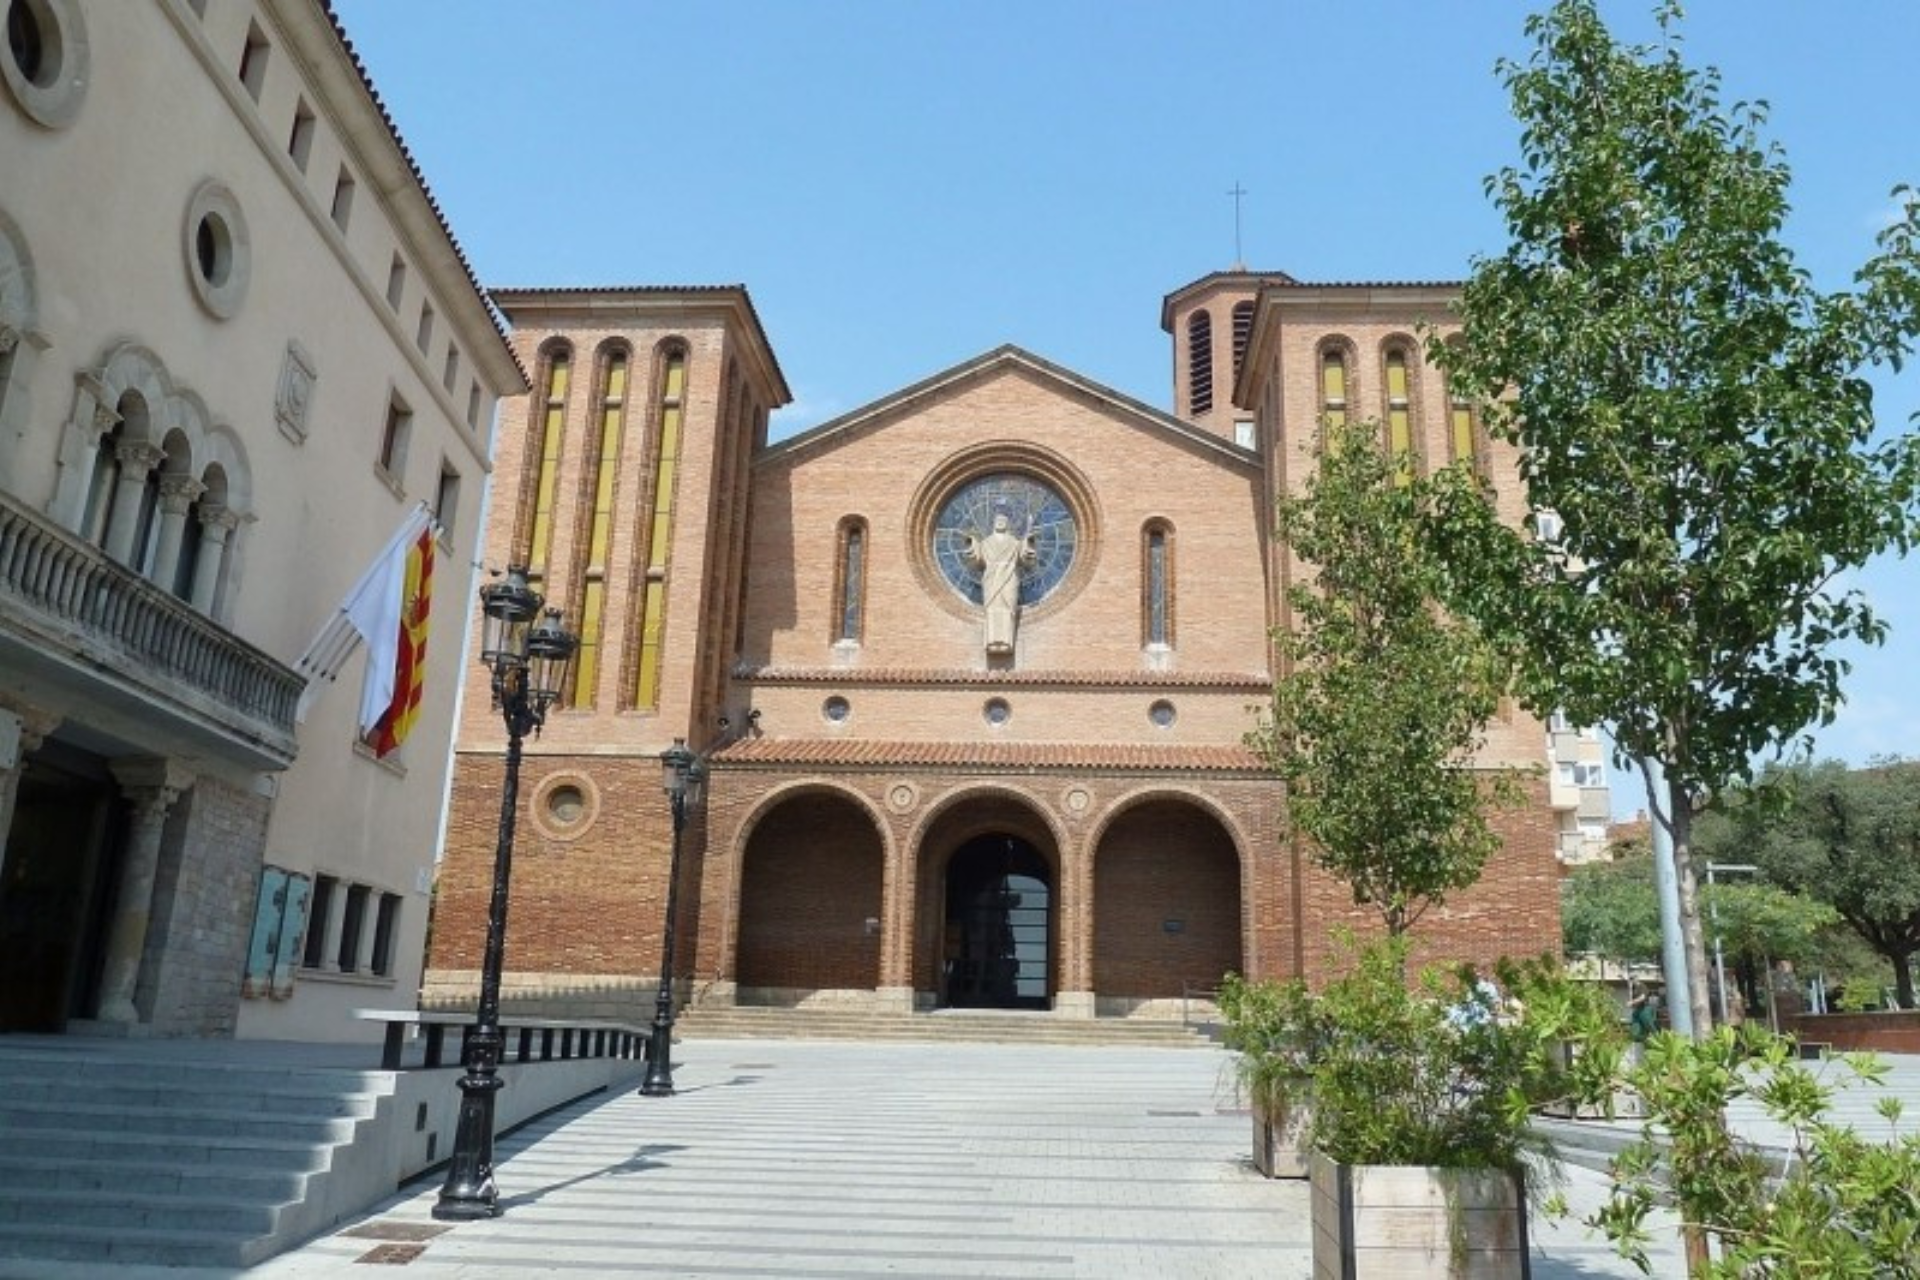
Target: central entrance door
<point>999,926</point>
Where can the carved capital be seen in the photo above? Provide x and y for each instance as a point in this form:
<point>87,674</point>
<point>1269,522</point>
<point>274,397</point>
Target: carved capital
<point>219,521</point>
<point>177,492</point>
<point>151,783</point>
<point>138,456</point>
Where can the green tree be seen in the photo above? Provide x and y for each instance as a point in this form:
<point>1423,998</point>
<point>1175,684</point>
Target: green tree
<point>1608,909</point>
<point>1692,409</point>
<point>1851,839</point>
<point>1382,699</point>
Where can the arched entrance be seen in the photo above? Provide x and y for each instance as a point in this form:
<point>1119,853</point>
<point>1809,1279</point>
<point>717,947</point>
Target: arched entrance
<point>1167,911</point>
<point>811,888</point>
<point>998,933</point>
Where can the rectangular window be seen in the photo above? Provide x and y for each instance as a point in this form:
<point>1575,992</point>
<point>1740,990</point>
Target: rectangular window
<point>423,336</point>
<point>353,926</point>
<point>396,282</point>
<point>393,439</point>
<point>1558,722</point>
<point>473,405</point>
<point>253,61</point>
<point>1243,432</point>
<point>852,572</point>
<point>450,374</point>
<point>446,499</point>
<point>1546,526</point>
<point>1156,587</point>
<point>342,212</point>
<point>300,141</point>
<point>314,954</point>
<point>1589,775</point>
<point>386,924</point>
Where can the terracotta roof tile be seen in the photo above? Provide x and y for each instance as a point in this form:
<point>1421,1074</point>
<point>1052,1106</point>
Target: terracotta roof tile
<point>988,756</point>
<point>855,677</point>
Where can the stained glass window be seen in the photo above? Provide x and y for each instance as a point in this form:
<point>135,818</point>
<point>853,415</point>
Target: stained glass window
<point>1033,511</point>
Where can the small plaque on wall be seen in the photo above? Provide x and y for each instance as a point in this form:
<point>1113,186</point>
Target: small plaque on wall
<point>1173,926</point>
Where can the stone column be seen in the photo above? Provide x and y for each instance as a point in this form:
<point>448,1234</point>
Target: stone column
<point>152,785</point>
<point>93,417</point>
<point>22,730</point>
<point>217,524</point>
<point>177,493</point>
<point>333,927</point>
<point>137,458</point>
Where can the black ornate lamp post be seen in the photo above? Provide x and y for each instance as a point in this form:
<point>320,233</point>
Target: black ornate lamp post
<point>529,662</point>
<point>682,775</point>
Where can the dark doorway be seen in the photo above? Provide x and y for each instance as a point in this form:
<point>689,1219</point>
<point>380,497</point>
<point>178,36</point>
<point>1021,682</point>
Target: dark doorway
<point>55,890</point>
<point>999,926</point>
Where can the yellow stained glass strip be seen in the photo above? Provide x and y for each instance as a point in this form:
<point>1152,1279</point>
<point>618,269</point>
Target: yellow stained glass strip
<point>1463,433</point>
<point>586,661</point>
<point>1333,378</point>
<point>647,696</point>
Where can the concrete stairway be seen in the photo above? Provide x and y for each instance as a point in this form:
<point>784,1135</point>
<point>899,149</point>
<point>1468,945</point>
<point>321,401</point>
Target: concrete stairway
<point>116,1158</point>
<point>720,1022</point>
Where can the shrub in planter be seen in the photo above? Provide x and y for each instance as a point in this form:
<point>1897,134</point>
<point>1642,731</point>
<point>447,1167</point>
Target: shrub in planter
<point>1845,1204</point>
<point>1274,1030</point>
<point>1441,1076</point>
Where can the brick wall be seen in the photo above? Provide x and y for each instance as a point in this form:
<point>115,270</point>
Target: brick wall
<point>812,881</point>
<point>1162,863</point>
<point>205,888</point>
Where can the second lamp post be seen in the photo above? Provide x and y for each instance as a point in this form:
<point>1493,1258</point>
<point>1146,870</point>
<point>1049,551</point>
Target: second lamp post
<point>682,776</point>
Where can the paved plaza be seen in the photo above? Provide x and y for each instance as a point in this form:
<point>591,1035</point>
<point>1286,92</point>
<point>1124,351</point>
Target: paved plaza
<point>807,1160</point>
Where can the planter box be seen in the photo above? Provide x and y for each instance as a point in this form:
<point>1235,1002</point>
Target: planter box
<point>1280,1147</point>
<point>1407,1222</point>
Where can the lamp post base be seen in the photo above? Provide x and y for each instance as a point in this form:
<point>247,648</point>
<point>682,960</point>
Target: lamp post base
<point>469,1192</point>
<point>659,1080</point>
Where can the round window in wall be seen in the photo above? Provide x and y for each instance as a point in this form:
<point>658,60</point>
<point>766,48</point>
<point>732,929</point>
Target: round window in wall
<point>217,249</point>
<point>566,805</point>
<point>45,62</point>
<point>1162,714</point>
<point>997,712</point>
<point>836,709</point>
<point>1005,517</point>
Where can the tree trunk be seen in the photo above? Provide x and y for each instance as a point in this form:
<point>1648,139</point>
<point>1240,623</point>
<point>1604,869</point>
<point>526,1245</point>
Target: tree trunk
<point>1903,979</point>
<point>1692,936</point>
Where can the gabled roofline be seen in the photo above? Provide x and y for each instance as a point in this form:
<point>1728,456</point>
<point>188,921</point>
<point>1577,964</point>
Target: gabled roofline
<point>1007,356</point>
<point>626,302</point>
<point>1443,296</point>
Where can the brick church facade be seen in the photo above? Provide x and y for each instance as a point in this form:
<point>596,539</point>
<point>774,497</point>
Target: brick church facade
<point>923,792</point>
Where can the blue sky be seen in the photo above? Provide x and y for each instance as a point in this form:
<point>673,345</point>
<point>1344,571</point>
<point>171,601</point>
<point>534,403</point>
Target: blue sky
<point>902,186</point>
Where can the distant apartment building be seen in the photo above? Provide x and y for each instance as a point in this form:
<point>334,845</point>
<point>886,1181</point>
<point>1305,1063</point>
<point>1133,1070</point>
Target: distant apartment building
<point>238,346</point>
<point>1578,792</point>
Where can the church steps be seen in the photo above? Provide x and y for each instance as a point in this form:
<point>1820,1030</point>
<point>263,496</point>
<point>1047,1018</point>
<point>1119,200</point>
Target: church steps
<point>129,1155</point>
<point>746,1022</point>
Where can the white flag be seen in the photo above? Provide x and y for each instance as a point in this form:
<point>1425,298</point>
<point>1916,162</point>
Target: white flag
<point>371,612</point>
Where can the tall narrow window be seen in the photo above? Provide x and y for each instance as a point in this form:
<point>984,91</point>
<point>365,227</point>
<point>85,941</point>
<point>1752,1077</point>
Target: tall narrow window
<point>253,61</point>
<point>446,499</point>
<point>593,590</point>
<point>396,281</point>
<point>853,579</point>
<point>546,473</point>
<point>673,388</point>
<point>450,371</point>
<point>1333,390</point>
<point>353,923</point>
<point>1156,604</point>
<point>1200,363</point>
<point>1462,428</point>
<point>1399,418</point>
<point>393,439</point>
<point>423,336</point>
<point>342,211</point>
<point>385,926</point>
<point>300,140</point>
<point>1242,333</point>
<point>473,404</point>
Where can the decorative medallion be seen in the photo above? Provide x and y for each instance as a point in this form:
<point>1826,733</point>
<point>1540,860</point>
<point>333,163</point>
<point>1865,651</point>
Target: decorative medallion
<point>1038,521</point>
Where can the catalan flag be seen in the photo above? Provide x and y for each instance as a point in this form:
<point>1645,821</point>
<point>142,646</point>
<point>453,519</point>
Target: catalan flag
<point>410,657</point>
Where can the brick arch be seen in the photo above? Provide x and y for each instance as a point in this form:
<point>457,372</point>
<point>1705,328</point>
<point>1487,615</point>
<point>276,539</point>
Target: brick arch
<point>812,876</point>
<point>1170,888</point>
<point>957,818</point>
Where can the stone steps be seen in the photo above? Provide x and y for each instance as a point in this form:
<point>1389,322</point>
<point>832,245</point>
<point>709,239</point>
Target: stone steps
<point>959,1026</point>
<point>120,1158</point>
